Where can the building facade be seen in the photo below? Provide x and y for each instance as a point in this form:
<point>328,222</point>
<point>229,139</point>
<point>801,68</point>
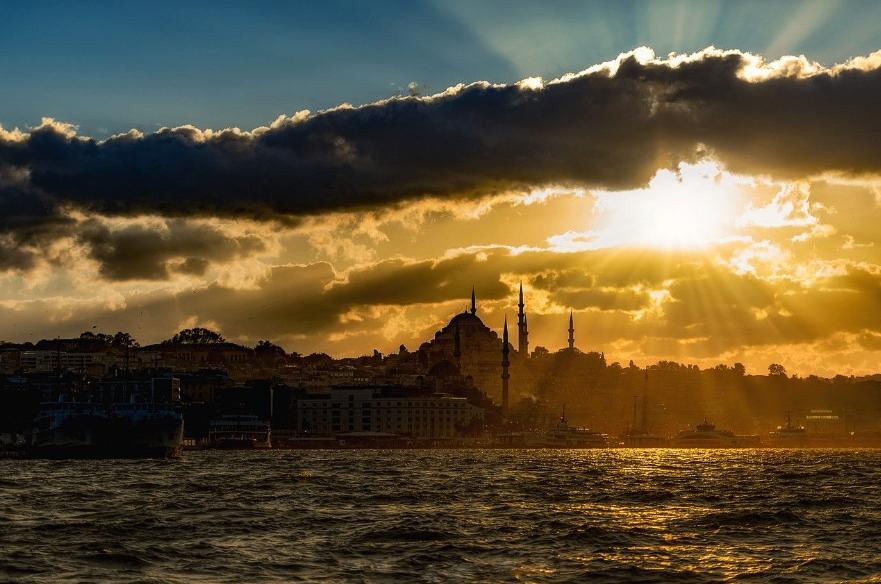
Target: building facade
<point>385,409</point>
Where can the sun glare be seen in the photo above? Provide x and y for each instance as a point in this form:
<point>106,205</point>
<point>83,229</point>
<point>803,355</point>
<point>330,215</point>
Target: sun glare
<point>694,207</point>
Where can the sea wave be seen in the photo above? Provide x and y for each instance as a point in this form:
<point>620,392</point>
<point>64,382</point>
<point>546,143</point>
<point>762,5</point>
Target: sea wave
<point>445,516</point>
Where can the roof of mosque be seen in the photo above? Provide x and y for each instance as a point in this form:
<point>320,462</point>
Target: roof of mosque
<point>466,318</point>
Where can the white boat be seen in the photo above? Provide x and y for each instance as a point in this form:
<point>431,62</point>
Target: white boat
<point>788,435</point>
<point>560,436</point>
<point>239,432</point>
<point>704,435</point>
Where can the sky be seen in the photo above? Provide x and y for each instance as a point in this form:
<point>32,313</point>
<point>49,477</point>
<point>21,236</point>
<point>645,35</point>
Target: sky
<point>697,181</point>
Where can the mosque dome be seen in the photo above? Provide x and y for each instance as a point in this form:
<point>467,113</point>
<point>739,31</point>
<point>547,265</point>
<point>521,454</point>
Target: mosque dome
<point>465,319</point>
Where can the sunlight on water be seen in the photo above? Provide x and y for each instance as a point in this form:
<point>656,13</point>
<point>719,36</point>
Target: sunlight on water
<point>439,516</point>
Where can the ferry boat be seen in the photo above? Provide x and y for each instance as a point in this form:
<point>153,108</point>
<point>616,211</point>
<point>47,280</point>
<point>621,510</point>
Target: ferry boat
<point>147,429</point>
<point>705,435</point>
<point>562,435</point>
<point>239,432</point>
<point>565,436</point>
<point>788,435</point>
<point>71,429</point>
<point>68,429</point>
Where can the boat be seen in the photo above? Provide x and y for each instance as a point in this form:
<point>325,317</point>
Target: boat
<point>68,429</point>
<point>565,436</point>
<point>788,435</point>
<point>146,429</point>
<point>705,435</point>
<point>239,432</point>
<point>122,418</point>
<point>72,429</point>
<point>562,435</point>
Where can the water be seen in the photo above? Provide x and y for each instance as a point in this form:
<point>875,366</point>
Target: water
<point>446,516</point>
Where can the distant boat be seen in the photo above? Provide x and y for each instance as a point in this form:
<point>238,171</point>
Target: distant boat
<point>565,436</point>
<point>71,429</point>
<point>239,432</point>
<point>146,429</point>
<point>705,435</point>
<point>68,429</point>
<point>788,435</point>
<point>562,435</point>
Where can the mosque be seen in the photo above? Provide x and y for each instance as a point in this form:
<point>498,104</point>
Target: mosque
<point>467,348</point>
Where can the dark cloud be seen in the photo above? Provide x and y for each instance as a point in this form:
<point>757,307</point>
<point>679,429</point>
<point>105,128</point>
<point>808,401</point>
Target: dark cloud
<point>28,221</point>
<point>150,253</point>
<point>595,129</point>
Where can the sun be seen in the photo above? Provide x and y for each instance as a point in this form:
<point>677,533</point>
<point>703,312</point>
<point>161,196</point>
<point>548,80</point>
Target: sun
<point>689,208</point>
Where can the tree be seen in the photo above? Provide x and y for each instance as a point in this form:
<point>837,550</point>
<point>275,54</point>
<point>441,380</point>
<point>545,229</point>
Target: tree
<point>776,370</point>
<point>739,369</point>
<point>318,359</point>
<point>269,352</point>
<point>195,336</point>
<point>124,341</point>
<point>539,352</point>
<point>97,337</point>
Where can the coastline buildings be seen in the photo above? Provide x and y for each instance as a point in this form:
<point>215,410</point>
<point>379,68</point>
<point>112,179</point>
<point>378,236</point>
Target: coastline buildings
<point>465,362</point>
<point>389,410</point>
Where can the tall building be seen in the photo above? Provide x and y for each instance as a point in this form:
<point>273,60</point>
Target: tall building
<point>505,364</point>
<point>571,331</point>
<point>522,330</point>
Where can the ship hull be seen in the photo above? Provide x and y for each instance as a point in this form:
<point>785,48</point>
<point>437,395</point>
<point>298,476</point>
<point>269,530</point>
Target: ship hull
<point>239,444</point>
<point>146,435</point>
<point>77,436</point>
<point>96,451</point>
<point>73,434</point>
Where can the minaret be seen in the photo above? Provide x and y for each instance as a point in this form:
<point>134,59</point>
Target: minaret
<point>571,331</point>
<point>505,374</point>
<point>522,330</point>
<point>473,301</point>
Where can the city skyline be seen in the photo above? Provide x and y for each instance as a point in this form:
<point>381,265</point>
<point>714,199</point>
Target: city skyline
<point>705,205</point>
<point>440,291</point>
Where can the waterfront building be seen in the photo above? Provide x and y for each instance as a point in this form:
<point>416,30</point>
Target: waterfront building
<point>390,410</point>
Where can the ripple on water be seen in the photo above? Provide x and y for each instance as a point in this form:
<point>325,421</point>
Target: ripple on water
<point>439,516</point>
